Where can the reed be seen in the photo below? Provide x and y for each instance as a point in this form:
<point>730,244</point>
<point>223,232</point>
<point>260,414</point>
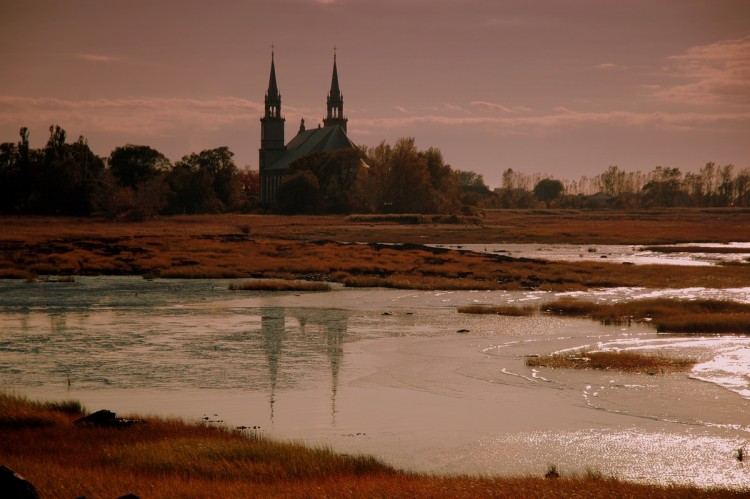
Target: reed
<point>626,361</point>
<point>508,310</point>
<point>677,316</point>
<point>280,285</point>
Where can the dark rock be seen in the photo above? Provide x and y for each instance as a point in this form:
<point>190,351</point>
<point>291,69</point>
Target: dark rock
<point>104,418</point>
<point>462,331</point>
<point>129,496</point>
<point>13,485</point>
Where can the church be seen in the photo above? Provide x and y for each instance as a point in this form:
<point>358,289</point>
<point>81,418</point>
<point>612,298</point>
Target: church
<point>275,156</point>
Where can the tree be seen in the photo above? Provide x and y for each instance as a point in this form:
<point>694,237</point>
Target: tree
<point>298,192</point>
<point>612,182</point>
<point>664,188</point>
<point>205,183</point>
<point>547,190</point>
<point>132,164</point>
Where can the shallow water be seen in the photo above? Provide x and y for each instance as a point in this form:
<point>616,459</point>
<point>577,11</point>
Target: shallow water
<point>385,372</point>
<point>616,253</point>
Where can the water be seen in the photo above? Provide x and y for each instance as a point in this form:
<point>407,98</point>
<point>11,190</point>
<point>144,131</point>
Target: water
<point>385,372</point>
<point>617,253</point>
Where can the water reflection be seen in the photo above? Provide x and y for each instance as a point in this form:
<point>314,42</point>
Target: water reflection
<point>323,329</point>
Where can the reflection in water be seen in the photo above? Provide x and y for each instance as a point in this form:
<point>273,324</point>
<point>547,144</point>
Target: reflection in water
<point>328,325</point>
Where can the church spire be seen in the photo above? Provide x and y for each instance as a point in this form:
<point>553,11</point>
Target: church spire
<point>335,93</point>
<point>273,97</point>
<point>335,101</point>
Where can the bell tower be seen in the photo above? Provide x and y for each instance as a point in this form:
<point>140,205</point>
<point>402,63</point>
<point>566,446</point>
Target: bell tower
<point>271,138</point>
<point>335,102</point>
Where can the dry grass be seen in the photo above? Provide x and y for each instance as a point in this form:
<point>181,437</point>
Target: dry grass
<point>414,219</point>
<point>626,361</point>
<point>280,285</point>
<point>277,247</point>
<point>170,458</point>
<point>674,316</point>
<point>508,310</point>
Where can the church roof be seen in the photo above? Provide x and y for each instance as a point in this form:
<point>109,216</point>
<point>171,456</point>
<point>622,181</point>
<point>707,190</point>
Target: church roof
<point>326,139</point>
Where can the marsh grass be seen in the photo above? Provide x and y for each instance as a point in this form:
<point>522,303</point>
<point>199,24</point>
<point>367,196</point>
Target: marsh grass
<point>164,458</point>
<point>414,219</point>
<point>280,285</point>
<point>217,247</point>
<point>508,310</point>
<point>625,361</point>
<point>667,315</point>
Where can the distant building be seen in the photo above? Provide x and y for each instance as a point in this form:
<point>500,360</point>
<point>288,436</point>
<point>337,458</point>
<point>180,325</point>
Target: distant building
<point>275,156</point>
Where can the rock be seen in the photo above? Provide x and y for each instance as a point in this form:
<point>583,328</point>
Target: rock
<point>129,496</point>
<point>462,331</point>
<point>103,418</point>
<point>15,486</point>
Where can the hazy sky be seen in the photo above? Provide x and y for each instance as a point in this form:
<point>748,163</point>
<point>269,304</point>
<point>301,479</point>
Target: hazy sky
<point>563,87</point>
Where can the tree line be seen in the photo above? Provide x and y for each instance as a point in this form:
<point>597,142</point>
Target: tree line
<point>136,182</point>
<point>711,186</point>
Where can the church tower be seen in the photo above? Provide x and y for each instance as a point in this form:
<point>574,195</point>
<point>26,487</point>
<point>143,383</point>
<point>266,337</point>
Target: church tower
<point>335,102</point>
<point>271,134</point>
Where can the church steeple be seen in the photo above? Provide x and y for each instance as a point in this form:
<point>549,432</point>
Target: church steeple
<point>271,136</point>
<point>335,102</point>
<point>273,97</point>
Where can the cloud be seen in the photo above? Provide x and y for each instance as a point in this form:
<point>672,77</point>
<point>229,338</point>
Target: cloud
<point>148,117</point>
<point>97,58</point>
<point>491,106</point>
<point>718,73</point>
<point>609,65</point>
<point>559,119</point>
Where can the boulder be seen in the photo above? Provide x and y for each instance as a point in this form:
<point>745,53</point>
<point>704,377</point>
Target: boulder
<point>15,486</point>
<point>103,418</point>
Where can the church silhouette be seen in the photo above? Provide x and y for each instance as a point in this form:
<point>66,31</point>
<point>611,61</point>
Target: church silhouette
<point>275,156</point>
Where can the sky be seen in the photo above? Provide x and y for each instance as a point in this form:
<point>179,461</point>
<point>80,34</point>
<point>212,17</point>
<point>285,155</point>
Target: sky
<point>559,87</point>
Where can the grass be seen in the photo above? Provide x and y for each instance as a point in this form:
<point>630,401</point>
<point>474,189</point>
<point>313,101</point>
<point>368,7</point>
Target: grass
<point>625,361</point>
<point>280,285</point>
<point>674,316</point>
<point>666,315</point>
<point>172,458</point>
<point>414,219</point>
<point>221,246</point>
<point>508,310</point>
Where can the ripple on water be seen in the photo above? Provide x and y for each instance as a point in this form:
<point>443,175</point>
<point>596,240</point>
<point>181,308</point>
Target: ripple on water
<point>699,458</point>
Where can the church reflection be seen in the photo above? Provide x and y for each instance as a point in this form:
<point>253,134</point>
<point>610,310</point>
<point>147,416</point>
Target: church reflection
<point>321,331</point>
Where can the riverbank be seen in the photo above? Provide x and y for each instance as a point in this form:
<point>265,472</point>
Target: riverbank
<point>171,458</point>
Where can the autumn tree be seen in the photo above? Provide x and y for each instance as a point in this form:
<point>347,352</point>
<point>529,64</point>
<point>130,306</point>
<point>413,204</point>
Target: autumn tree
<point>547,190</point>
<point>132,165</point>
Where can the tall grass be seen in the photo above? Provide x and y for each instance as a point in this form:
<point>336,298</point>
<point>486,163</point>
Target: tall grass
<point>626,361</point>
<point>508,310</point>
<point>280,285</point>
<point>667,315</point>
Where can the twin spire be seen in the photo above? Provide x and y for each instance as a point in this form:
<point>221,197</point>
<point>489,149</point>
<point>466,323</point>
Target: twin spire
<point>334,104</point>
